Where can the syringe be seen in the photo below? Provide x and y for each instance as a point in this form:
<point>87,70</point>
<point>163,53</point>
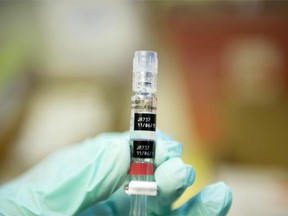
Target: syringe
<point>143,131</point>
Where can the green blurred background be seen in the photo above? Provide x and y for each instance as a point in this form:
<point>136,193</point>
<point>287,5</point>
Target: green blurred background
<point>66,69</point>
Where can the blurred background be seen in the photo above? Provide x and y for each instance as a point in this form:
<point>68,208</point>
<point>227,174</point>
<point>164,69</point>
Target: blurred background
<point>66,73</point>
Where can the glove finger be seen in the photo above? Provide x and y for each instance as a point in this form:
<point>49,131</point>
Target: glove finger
<point>76,177</point>
<point>166,148</point>
<point>119,202</point>
<point>213,200</point>
<point>172,177</point>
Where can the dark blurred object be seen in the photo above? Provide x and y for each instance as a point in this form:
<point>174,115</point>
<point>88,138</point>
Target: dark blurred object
<point>17,43</point>
<point>12,102</point>
<point>234,57</point>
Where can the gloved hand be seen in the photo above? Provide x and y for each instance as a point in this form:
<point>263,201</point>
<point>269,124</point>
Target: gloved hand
<point>88,179</point>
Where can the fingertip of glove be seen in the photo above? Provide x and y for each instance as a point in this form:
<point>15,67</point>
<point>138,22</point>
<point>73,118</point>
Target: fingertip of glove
<point>216,199</point>
<point>174,176</point>
<point>162,135</point>
<point>167,149</point>
<point>191,175</point>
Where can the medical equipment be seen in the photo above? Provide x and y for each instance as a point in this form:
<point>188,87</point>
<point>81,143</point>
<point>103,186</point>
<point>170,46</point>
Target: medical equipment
<point>143,131</point>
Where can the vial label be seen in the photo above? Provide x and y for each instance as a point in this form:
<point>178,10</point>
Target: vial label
<point>143,149</point>
<point>148,105</point>
<point>145,121</point>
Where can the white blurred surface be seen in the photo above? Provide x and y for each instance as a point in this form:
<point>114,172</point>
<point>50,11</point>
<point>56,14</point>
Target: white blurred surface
<point>57,116</point>
<point>91,38</point>
<point>256,190</point>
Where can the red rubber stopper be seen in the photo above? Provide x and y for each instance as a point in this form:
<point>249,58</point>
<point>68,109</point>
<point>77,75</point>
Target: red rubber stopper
<point>141,168</point>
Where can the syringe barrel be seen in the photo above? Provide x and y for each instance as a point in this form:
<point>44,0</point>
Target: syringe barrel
<point>143,113</point>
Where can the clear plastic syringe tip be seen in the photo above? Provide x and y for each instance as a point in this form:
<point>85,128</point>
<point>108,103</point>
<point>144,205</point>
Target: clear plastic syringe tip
<point>145,69</point>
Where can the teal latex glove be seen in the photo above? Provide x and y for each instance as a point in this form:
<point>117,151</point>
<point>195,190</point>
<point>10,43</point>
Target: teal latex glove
<point>88,179</point>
